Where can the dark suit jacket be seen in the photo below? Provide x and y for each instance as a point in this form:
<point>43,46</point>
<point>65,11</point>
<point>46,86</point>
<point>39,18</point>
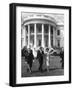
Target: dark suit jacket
<point>40,56</point>
<point>30,57</point>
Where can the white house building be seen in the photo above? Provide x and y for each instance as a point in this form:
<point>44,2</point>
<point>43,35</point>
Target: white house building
<point>42,30</point>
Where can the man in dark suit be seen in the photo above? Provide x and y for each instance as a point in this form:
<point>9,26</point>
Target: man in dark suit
<point>40,54</point>
<point>25,53</point>
<point>30,58</point>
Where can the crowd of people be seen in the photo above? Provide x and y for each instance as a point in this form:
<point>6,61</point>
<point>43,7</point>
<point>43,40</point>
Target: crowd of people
<point>31,55</point>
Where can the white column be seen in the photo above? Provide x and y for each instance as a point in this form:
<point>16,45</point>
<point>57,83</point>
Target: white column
<point>49,38</point>
<point>28,35</point>
<point>43,35</point>
<point>54,36</point>
<point>23,36</point>
<point>35,36</point>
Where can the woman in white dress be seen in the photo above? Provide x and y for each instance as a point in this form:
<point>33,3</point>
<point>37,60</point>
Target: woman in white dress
<point>47,58</point>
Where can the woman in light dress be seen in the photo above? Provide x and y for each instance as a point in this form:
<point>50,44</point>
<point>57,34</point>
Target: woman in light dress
<point>47,56</point>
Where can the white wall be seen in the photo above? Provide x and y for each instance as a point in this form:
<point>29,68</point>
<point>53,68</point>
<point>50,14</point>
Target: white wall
<point>4,45</point>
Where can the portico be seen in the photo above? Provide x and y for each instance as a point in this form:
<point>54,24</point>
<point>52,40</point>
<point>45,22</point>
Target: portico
<point>38,35</point>
<point>39,31</point>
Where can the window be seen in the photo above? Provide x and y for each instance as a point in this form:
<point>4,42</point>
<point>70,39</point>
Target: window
<point>26,29</point>
<point>52,30</point>
<point>52,40</point>
<point>58,43</point>
<point>46,28</point>
<point>31,28</point>
<point>58,32</point>
<point>39,28</point>
<point>52,36</point>
<point>46,40</point>
<point>39,42</point>
<point>32,39</point>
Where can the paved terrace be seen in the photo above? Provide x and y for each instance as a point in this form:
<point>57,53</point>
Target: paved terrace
<point>54,69</point>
